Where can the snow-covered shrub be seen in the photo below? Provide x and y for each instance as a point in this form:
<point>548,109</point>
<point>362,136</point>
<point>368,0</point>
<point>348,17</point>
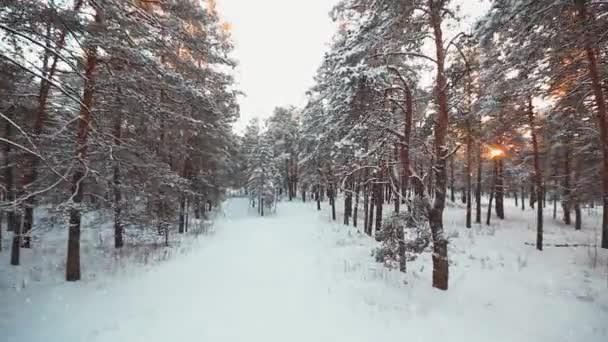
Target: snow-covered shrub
<point>411,228</point>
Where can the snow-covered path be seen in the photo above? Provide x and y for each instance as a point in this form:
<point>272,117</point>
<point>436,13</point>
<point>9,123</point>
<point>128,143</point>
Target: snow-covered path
<point>298,277</point>
<point>256,279</point>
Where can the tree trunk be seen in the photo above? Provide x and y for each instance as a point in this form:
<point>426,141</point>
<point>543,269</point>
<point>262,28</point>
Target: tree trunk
<point>523,197</point>
<point>379,199</point>
<point>401,249</point>
<point>332,200</point>
<point>492,192</point>
<point>356,209</point>
<point>116,184</point>
<point>596,85</point>
<point>440,243</point>
<point>567,201</point>
<point>365,207</point>
<point>31,162</point>
<point>16,247</point>
<point>182,211</point>
<point>532,194</point>
<point>370,216</point>
<point>84,126</point>
<point>469,172</point>
<point>348,206</point>
<point>405,146</point>
<point>538,177</point>
<point>578,219</point>
<point>500,209</point>
<point>452,181</point>
<point>478,188</point>
<point>11,217</point>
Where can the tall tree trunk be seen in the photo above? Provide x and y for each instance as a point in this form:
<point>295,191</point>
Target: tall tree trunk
<point>365,207</point>
<point>469,171</point>
<point>116,184</point>
<point>379,198</point>
<point>532,194</point>
<point>492,192</point>
<point>407,132</point>
<point>440,243</point>
<point>567,200</point>
<point>356,209</point>
<point>500,193</point>
<point>84,126</point>
<point>29,173</point>
<point>182,212</point>
<point>596,85</point>
<point>478,187</point>
<point>370,216</point>
<point>9,183</point>
<point>452,181</point>
<point>348,205</point>
<point>523,197</point>
<point>332,200</point>
<point>318,195</point>
<point>538,177</point>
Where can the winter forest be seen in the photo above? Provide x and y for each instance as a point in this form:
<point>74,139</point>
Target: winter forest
<point>444,175</point>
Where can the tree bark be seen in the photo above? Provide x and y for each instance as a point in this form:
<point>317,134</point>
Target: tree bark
<point>538,177</point>
<point>500,209</point>
<point>118,224</point>
<point>356,209</point>
<point>478,188</point>
<point>523,197</point>
<point>365,207</point>
<point>84,126</point>
<point>440,243</point>
<point>31,162</point>
<point>492,192</point>
<point>332,200</point>
<point>405,144</point>
<point>567,201</point>
<point>452,181</point>
<point>469,170</point>
<point>596,86</point>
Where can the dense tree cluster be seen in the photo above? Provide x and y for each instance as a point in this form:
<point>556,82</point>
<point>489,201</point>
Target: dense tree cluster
<point>120,106</point>
<point>516,108</point>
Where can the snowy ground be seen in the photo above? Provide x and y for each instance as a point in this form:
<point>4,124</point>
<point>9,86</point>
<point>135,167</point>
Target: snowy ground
<point>296,276</point>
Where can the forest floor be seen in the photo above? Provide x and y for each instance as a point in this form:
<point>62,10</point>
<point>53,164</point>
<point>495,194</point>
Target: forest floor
<point>297,276</point>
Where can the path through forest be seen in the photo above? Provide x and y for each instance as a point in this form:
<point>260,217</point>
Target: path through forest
<point>256,279</point>
<point>295,276</point>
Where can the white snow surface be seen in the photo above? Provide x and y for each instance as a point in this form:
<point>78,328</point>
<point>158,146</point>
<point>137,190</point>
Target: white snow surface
<point>296,276</point>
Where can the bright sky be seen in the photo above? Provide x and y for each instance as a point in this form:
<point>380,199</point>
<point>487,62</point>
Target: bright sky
<point>279,46</point>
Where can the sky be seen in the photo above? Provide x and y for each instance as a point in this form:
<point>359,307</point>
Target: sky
<point>279,46</point>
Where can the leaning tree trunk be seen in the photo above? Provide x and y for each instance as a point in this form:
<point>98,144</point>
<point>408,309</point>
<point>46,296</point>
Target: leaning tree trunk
<point>538,177</point>
<point>440,243</point>
<point>478,187</point>
<point>84,126</point>
<point>586,21</point>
